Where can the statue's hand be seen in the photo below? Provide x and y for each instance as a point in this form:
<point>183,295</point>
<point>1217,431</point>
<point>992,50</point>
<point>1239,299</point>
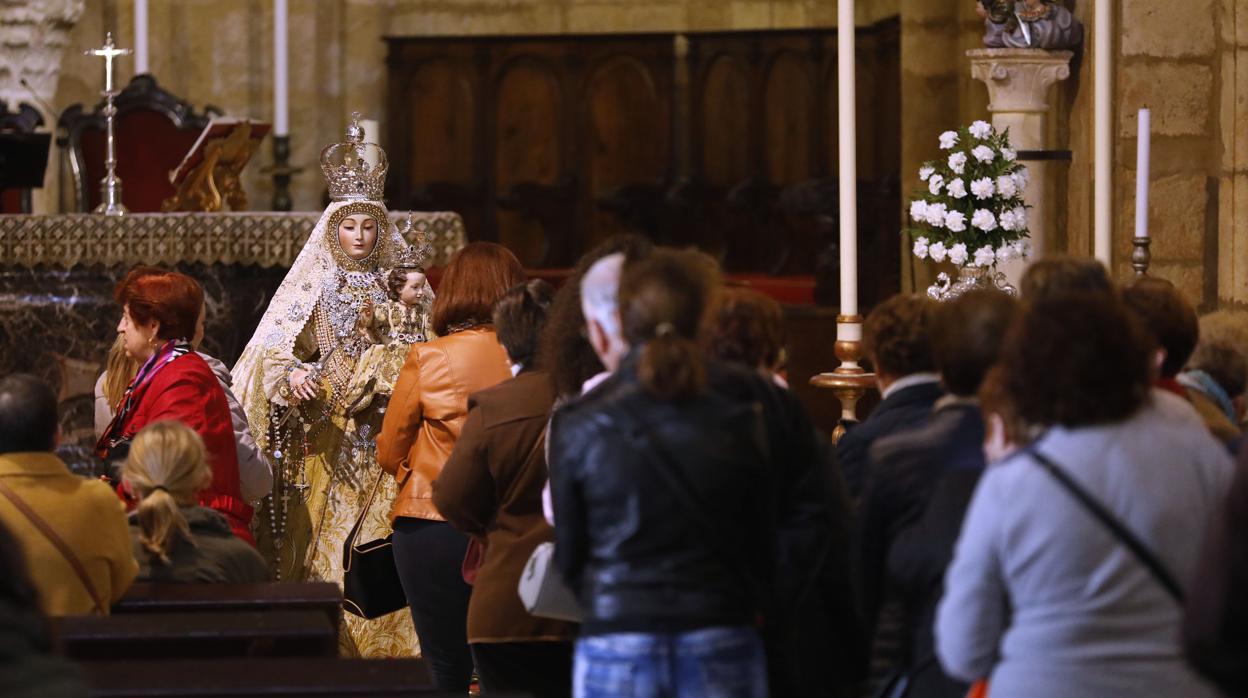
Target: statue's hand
<point>979,10</point>
<point>302,387</point>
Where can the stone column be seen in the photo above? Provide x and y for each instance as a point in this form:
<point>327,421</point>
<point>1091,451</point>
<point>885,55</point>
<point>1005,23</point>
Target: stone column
<point>1018,82</point>
<point>33,37</point>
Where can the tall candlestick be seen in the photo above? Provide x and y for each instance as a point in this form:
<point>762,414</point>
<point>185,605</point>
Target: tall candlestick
<point>140,37</point>
<point>1104,146</point>
<point>846,97</point>
<point>1142,148</point>
<point>281,75</point>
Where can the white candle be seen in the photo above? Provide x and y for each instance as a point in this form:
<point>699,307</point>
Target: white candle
<point>281,75</point>
<point>140,37</point>
<point>848,161</point>
<point>1142,148</point>
<point>1104,146</point>
<point>372,131</point>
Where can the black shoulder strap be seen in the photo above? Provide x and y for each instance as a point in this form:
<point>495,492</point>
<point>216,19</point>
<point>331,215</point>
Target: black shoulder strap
<point>1124,534</point>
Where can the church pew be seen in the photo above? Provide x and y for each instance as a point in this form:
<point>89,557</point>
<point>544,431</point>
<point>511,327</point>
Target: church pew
<point>324,597</point>
<point>255,677</point>
<point>196,635</point>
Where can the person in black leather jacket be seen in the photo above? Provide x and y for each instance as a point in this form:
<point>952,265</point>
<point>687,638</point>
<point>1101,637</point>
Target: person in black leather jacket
<point>667,482</point>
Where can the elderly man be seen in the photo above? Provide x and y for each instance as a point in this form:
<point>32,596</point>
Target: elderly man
<point>73,531</point>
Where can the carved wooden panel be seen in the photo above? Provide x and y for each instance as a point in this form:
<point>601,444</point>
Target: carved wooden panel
<point>551,144</point>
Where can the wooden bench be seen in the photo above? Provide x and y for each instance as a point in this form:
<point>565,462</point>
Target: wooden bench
<point>260,677</point>
<point>197,635</point>
<point>324,597</point>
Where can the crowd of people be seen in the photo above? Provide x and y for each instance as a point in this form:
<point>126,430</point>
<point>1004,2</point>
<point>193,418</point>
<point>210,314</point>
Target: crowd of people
<point>1044,502</point>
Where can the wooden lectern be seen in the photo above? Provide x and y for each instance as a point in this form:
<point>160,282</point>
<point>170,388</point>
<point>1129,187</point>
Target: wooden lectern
<point>208,176</point>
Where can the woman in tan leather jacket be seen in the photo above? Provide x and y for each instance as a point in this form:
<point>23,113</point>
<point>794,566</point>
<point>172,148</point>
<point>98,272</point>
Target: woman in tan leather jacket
<point>422,423</point>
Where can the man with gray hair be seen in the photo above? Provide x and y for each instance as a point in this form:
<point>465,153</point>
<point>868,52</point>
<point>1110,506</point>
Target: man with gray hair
<point>600,291</point>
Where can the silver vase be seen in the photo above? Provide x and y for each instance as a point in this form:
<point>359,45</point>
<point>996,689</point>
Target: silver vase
<point>969,279</point>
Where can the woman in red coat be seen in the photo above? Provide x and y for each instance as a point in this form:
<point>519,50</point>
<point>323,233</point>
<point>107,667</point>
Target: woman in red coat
<point>161,313</point>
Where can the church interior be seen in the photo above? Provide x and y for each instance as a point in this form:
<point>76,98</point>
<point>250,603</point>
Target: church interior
<point>789,141</point>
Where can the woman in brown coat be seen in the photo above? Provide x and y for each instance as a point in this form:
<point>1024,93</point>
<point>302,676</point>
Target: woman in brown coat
<point>422,424</point>
<point>491,488</point>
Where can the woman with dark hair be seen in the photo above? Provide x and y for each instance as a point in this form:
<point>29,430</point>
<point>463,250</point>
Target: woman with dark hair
<point>1068,575</point>
<point>160,317</point>
<point>563,348</point>
<point>662,496</point>
<point>491,489</point>
<point>422,424</point>
<point>747,327</point>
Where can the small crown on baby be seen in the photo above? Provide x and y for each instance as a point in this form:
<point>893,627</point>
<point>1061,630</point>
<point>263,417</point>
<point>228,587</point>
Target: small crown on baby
<point>355,170</point>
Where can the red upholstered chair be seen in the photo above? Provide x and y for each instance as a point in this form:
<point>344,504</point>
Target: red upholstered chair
<point>25,120</point>
<point>154,130</point>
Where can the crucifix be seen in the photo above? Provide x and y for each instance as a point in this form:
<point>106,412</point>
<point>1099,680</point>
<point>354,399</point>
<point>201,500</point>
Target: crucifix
<point>108,52</point>
<point>110,186</point>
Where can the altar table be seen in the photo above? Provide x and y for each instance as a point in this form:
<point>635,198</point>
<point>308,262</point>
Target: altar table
<point>57,275</point>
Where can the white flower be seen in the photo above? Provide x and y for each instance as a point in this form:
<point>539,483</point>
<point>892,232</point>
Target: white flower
<point>1023,248</point>
<point>981,129</point>
<point>955,221</point>
<point>984,220</point>
<point>984,257</point>
<point>948,139</point>
<point>1006,252</point>
<point>935,183</point>
<point>937,251</point>
<point>920,248</point>
<point>983,153</point>
<point>918,210</point>
<point>1009,154</point>
<point>1008,221</point>
<point>1007,186</point>
<point>925,172</point>
<point>936,215</point>
<point>957,189</point>
<point>1020,215</point>
<point>957,254</point>
<point>957,162</point>
<point>983,188</point>
<point>1022,178</point>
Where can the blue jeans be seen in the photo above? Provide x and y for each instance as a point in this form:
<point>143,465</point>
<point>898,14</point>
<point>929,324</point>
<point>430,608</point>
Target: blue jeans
<point>707,663</point>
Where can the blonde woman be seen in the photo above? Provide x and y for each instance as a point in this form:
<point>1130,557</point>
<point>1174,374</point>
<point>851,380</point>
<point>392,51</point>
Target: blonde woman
<point>175,539</point>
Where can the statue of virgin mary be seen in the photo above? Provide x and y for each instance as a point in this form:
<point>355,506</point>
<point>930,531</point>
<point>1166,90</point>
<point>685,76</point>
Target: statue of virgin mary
<point>316,376</point>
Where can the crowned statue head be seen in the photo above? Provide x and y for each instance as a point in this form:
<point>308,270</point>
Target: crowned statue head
<point>355,172</point>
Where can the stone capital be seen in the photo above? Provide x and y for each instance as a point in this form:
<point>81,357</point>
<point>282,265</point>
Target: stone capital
<point>1018,79</point>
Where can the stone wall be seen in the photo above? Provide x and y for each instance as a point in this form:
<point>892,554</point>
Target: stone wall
<point>1188,63</point>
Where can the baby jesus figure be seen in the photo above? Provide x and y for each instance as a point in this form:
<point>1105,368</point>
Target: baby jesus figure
<point>390,328</point>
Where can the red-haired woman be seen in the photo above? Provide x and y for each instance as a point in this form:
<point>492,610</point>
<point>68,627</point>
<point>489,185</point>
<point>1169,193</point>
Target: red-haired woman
<point>160,314</point>
<point>422,424</point>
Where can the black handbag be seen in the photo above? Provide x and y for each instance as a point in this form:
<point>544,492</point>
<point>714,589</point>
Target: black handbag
<point>370,580</point>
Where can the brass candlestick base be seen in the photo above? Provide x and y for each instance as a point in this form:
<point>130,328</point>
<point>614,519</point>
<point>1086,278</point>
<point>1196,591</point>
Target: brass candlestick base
<point>282,172</point>
<point>848,382</point>
<point>1141,257</point>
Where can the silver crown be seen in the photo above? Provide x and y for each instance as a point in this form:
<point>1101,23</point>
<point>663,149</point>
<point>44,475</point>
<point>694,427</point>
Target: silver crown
<point>355,170</point>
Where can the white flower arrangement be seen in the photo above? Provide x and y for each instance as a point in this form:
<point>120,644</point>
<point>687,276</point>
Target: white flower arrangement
<point>971,211</point>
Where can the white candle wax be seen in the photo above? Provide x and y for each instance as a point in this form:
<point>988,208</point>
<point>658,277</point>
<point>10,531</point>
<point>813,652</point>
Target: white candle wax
<point>1102,48</point>
<point>1142,153</point>
<point>848,157</point>
<point>140,37</point>
<point>281,76</point>
<point>372,131</point>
